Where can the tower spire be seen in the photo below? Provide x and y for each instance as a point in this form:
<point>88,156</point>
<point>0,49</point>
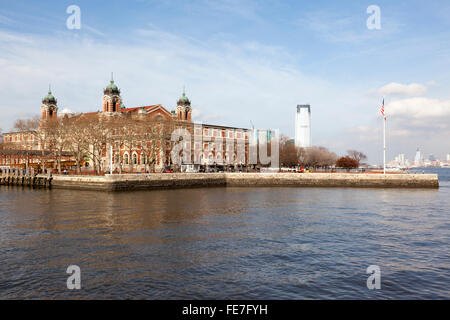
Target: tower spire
<point>111,97</point>
<point>49,88</point>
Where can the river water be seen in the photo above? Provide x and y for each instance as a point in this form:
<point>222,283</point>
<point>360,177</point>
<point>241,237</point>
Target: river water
<point>226,243</point>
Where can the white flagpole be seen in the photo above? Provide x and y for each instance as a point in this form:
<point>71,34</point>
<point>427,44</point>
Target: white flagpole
<point>384,145</point>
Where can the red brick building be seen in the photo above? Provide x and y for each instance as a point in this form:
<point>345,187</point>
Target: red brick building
<point>209,145</point>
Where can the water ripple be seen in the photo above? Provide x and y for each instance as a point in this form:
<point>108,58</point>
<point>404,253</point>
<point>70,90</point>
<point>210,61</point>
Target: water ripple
<point>225,243</point>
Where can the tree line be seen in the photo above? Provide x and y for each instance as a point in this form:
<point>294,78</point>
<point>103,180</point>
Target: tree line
<point>86,137</point>
<point>316,156</point>
<point>89,137</point>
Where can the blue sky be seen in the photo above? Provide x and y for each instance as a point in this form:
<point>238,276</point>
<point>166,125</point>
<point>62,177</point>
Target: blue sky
<point>240,61</point>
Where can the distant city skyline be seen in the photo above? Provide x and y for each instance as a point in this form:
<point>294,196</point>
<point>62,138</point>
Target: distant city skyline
<point>243,61</point>
<point>420,159</point>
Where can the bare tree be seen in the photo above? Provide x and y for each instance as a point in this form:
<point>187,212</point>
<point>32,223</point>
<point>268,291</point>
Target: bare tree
<point>24,125</point>
<point>96,135</point>
<point>130,136</point>
<point>319,157</point>
<point>117,138</point>
<point>76,139</point>
<point>357,155</point>
<point>29,128</point>
<point>289,154</point>
<point>56,132</point>
<point>148,135</point>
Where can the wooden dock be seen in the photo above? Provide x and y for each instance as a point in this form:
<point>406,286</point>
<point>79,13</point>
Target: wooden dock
<point>18,177</point>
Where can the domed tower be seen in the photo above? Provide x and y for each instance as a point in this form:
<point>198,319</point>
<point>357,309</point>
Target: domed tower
<point>111,97</point>
<point>184,110</point>
<point>49,107</point>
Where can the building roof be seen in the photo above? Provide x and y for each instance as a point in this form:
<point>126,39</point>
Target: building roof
<point>18,132</point>
<point>148,109</point>
<point>89,113</point>
<point>222,127</point>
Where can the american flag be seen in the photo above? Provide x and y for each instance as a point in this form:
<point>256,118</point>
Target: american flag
<point>382,110</point>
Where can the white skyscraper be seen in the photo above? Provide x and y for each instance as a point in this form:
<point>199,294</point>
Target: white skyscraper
<point>303,126</point>
<point>448,157</point>
<point>418,158</point>
<point>401,160</point>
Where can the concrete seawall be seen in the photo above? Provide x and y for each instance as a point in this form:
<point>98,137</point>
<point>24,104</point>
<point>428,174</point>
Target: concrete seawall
<point>184,180</point>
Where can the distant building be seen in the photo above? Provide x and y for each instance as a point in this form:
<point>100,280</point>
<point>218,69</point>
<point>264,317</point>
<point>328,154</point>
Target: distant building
<point>418,159</point>
<point>303,126</point>
<point>399,161</point>
<point>448,157</point>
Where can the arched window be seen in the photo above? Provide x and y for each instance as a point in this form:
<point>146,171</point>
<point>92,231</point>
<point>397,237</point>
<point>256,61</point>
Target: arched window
<point>126,158</point>
<point>143,158</point>
<point>135,158</point>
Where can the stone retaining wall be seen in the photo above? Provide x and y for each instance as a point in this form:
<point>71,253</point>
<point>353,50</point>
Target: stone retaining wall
<point>182,180</point>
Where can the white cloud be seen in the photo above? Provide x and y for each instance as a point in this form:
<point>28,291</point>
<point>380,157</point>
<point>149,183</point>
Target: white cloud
<point>13,38</point>
<point>199,116</point>
<point>423,109</point>
<point>411,117</point>
<point>93,30</point>
<point>411,123</point>
<point>228,83</point>
<point>361,129</point>
<point>394,88</point>
<point>366,133</point>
